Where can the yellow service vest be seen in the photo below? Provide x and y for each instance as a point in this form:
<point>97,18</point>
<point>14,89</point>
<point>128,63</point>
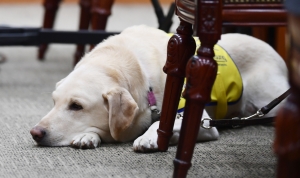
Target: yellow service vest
<point>228,86</point>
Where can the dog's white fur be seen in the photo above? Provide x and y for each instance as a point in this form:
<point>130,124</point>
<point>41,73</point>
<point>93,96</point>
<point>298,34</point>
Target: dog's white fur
<point>111,82</point>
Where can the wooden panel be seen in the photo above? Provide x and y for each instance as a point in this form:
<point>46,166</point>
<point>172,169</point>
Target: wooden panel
<point>117,1</point>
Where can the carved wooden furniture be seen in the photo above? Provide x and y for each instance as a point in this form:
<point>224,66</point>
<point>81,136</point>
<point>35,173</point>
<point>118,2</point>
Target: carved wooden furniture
<point>205,20</point>
<point>235,11</point>
<point>94,12</point>
<point>287,128</point>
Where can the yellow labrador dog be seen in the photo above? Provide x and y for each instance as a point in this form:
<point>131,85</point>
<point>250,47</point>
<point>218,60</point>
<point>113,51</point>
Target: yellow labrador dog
<point>104,99</point>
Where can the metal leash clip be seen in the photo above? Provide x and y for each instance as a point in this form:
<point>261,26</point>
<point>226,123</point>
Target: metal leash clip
<point>258,113</point>
<point>202,123</point>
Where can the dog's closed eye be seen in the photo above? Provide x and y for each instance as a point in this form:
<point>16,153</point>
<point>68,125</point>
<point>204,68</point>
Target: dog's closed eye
<point>75,107</point>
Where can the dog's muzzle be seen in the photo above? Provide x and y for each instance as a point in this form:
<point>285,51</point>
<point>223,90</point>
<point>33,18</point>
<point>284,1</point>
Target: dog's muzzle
<point>38,133</point>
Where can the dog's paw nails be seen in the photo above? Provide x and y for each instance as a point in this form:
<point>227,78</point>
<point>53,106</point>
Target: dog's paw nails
<point>86,141</point>
<point>144,144</point>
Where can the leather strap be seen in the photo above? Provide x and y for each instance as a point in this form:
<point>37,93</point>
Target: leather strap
<point>237,122</point>
<point>275,102</point>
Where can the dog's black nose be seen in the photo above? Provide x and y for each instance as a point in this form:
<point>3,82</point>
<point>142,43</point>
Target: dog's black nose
<point>38,133</point>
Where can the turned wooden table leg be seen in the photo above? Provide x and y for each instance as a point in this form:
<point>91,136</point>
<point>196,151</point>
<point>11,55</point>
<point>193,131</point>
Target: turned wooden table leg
<point>287,125</point>
<point>101,10</point>
<point>201,72</point>
<point>51,7</point>
<point>181,47</point>
<point>85,18</point>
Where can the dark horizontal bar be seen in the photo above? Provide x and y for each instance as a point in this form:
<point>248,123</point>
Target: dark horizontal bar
<point>36,36</point>
<point>255,24</point>
<point>73,37</point>
<point>18,36</point>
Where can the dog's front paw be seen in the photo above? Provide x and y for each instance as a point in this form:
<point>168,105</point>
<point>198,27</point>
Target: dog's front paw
<point>86,141</point>
<point>148,141</point>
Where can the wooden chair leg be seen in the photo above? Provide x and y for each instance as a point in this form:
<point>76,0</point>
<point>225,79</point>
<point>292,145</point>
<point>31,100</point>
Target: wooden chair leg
<point>51,7</point>
<point>101,10</point>
<point>85,18</point>
<point>260,33</point>
<point>280,42</point>
<point>287,125</point>
<point>181,47</point>
<point>201,72</point>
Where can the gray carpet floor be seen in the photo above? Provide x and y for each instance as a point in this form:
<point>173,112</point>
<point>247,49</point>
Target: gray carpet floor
<point>25,97</point>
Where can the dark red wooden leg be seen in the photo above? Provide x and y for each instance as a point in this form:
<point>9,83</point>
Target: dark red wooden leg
<point>180,48</point>
<point>287,125</point>
<point>101,10</point>
<point>201,72</point>
<point>85,17</point>
<point>51,7</point>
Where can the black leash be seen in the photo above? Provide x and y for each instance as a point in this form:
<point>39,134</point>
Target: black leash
<point>238,122</point>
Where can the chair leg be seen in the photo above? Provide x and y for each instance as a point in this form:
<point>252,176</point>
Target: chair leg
<point>180,48</point>
<point>280,42</point>
<point>51,7</point>
<point>287,131</point>
<point>201,72</point>
<point>101,10</point>
<point>85,17</point>
<point>260,33</point>
<point>287,125</point>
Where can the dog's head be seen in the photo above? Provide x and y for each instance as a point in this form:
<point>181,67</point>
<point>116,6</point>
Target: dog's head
<point>86,103</point>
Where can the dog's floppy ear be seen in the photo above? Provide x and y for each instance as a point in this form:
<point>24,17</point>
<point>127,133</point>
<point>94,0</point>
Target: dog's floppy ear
<point>122,109</point>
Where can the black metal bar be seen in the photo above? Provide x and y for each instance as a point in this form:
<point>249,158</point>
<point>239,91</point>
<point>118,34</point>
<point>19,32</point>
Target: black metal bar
<point>74,37</point>
<point>168,19</point>
<point>36,36</point>
<point>165,22</point>
<point>18,36</point>
<point>158,12</point>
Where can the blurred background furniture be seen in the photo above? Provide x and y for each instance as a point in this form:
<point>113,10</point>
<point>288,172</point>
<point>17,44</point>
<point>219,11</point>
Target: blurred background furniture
<point>287,125</point>
<point>95,13</point>
<point>22,158</point>
<point>205,20</point>
<point>92,12</point>
<point>267,20</point>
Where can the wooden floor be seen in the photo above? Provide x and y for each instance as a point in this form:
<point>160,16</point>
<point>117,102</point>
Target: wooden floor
<point>117,1</point>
